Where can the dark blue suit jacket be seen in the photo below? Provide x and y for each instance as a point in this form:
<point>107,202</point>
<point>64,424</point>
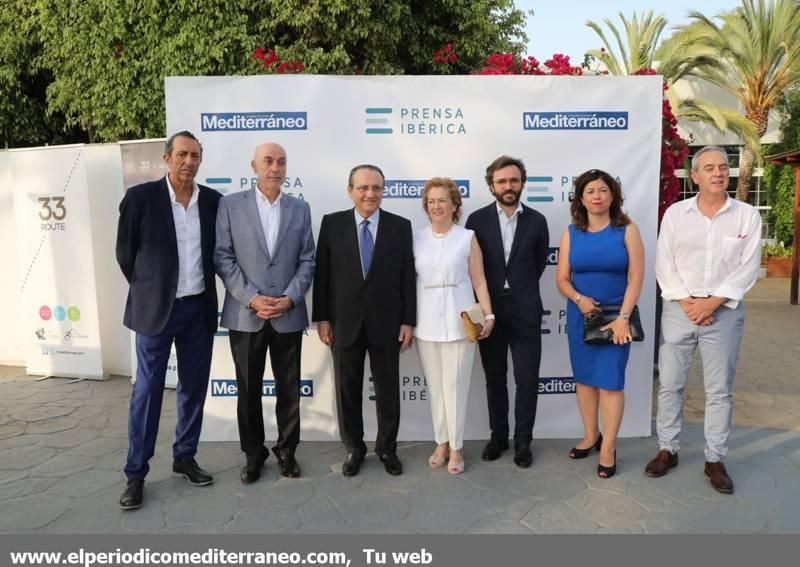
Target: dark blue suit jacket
<point>147,253</point>
<point>526,263</point>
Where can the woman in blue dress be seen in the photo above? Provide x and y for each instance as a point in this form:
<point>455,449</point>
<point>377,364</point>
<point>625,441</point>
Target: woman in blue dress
<point>601,262</point>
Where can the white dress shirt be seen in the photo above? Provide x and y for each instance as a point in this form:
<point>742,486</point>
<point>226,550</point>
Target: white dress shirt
<point>373,220</point>
<point>700,257</point>
<point>187,232</point>
<point>508,226</point>
<point>270,216</point>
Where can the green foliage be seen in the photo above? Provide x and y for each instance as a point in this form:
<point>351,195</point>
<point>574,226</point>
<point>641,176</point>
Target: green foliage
<point>102,63</point>
<point>780,179</point>
<point>777,251</point>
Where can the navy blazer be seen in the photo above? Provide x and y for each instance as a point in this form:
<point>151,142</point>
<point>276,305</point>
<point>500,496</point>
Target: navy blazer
<point>526,263</point>
<point>381,302</point>
<point>147,253</point>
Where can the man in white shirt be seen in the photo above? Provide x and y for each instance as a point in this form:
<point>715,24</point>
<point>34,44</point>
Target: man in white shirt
<point>707,259</point>
<point>265,258</point>
<point>165,247</point>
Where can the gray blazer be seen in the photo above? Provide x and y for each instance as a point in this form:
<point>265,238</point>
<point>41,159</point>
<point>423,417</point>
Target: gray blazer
<point>246,267</point>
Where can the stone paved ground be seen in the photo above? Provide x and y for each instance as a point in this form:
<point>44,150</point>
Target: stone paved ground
<point>62,446</point>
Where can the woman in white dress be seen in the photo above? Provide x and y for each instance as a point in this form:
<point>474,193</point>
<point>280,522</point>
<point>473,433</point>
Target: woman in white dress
<point>449,267</point>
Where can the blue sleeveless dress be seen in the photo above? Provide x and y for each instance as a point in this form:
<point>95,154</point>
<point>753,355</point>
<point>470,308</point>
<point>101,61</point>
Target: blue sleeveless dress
<point>599,262</point>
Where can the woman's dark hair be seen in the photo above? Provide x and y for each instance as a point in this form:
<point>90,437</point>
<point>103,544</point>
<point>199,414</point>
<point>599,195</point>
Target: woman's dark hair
<point>580,216</point>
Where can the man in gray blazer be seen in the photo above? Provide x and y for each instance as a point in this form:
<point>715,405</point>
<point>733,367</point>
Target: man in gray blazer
<point>265,257</point>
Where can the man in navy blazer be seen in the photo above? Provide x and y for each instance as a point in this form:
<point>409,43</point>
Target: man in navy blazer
<point>165,247</point>
<point>365,301</point>
<point>514,241</point>
<point>265,257</point>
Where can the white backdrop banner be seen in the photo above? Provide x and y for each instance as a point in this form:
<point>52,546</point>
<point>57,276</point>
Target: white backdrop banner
<point>56,265</point>
<point>415,128</point>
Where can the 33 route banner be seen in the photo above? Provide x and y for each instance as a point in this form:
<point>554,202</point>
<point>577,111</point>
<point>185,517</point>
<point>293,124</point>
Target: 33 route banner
<point>56,286</point>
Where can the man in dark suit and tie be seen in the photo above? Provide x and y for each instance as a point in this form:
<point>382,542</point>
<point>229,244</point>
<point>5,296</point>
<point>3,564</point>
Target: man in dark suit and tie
<point>165,248</point>
<point>265,257</point>
<point>514,241</point>
<point>365,302</point>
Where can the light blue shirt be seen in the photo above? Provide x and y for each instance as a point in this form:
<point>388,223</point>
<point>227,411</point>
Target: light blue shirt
<point>373,220</point>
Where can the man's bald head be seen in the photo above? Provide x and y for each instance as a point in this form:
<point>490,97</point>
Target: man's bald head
<point>269,165</point>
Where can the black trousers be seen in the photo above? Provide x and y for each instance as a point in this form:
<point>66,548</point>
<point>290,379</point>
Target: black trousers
<point>526,355</point>
<point>348,374</point>
<point>249,352</point>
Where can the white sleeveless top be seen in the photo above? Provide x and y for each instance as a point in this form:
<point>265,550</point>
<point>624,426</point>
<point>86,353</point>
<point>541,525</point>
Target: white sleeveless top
<point>444,287</point>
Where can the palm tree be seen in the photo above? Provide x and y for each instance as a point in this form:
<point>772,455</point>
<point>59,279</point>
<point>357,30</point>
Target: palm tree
<point>758,48</point>
<point>674,60</point>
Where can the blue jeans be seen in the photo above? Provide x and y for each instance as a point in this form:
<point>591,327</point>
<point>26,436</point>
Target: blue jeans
<point>719,349</point>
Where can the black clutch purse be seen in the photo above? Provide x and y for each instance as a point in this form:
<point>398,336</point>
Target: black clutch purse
<point>592,323</point>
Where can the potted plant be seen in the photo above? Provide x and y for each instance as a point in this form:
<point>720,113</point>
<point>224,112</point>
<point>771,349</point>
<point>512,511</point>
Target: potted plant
<point>778,260</point>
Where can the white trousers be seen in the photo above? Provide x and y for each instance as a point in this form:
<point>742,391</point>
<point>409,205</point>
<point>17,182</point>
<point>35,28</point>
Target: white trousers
<point>448,371</point>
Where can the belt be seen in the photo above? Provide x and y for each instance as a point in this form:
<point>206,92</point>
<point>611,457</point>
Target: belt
<point>436,286</point>
<point>506,291</point>
<point>189,297</point>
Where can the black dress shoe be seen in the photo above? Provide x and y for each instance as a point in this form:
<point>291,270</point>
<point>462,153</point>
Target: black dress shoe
<point>132,495</point>
<point>190,470</point>
<point>251,472</point>
<point>494,449</point>
<point>352,464</point>
<point>523,456</point>
<point>391,463</point>
<point>287,463</point>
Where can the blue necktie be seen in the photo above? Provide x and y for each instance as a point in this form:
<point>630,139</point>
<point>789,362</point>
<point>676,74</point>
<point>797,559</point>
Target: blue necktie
<point>367,247</point>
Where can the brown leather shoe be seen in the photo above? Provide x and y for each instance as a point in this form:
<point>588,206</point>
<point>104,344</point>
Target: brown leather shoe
<point>719,477</point>
<point>660,466</point>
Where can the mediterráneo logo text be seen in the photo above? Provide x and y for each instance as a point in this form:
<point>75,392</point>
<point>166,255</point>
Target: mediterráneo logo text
<point>574,120</point>
<point>246,121</point>
<point>412,188</point>
<point>228,388</point>
<point>556,385</point>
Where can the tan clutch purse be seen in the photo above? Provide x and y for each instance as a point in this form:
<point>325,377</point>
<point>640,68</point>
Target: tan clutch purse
<point>473,320</point>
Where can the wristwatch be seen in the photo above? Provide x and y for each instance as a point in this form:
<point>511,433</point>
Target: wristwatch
<point>624,316</point>
<point>489,317</point>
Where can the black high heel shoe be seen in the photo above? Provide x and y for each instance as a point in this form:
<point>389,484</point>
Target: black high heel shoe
<point>576,453</point>
<point>607,472</point>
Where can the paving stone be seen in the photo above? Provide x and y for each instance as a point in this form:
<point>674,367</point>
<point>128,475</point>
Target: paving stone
<point>31,512</point>
<point>85,412</point>
<point>69,439</point>
<point>555,517</point>
<point>12,429</point>
<point>96,514</point>
<point>608,510</point>
<point>25,487</point>
<point>61,466</point>
<point>319,513</point>
<point>439,509</point>
<point>254,519</point>
<point>41,413</point>
<point>11,476</point>
<point>202,506</point>
<point>508,505</point>
<point>95,448</point>
<point>371,506</point>
<point>336,482</point>
<point>498,527</point>
<point>24,457</point>
<point>547,485</point>
<point>149,518</point>
<point>53,425</point>
<point>82,484</point>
